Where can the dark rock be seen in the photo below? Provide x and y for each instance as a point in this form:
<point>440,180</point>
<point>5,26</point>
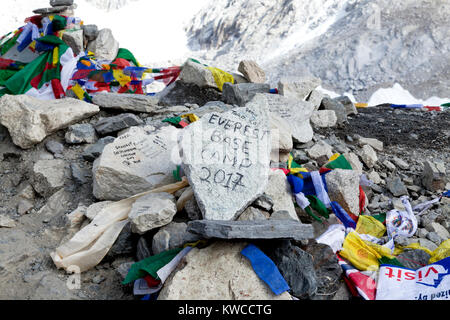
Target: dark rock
<point>114,124</point>
<point>81,133</point>
<point>124,244</point>
<point>90,31</point>
<point>327,268</point>
<point>413,258</point>
<point>78,174</point>
<point>54,147</point>
<point>93,151</point>
<point>241,93</point>
<point>297,268</point>
<point>180,93</point>
<point>56,9</point>
<point>396,186</point>
<point>143,250</point>
<point>256,229</point>
<point>56,3</point>
<point>300,156</point>
<point>192,209</point>
<point>264,202</point>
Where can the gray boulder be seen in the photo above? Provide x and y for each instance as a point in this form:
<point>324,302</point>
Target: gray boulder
<point>81,133</point>
<point>126,102</point>
<point>348,104</point>
<point>241,93</point>
<point>152,211</point>
<point>252,72</point>
<point>105,46</point>
<point>117,123</point>
<point>337,107</point>
<point>171,236</point>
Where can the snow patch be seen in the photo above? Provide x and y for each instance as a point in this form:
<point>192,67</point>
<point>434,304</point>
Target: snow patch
<point>398,95</point>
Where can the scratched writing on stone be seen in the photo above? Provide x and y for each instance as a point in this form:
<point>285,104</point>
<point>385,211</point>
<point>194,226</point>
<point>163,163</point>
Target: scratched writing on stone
<point>229,145</point>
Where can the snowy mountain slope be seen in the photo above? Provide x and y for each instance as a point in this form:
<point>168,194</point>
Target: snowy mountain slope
<point>354,46</point>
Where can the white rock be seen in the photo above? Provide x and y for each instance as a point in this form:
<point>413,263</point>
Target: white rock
<point>320,149</point>
<point>343,187</point>
<point>135,162</point>
<point>400,163</point>
<point>298,88</point>
<point>6,222</point>
<point>251,71</point>
<point>368,156</point>
<point>324,118</point>
<point>281,135</point>
<point>389,165</point>
<point>353,159</point>
<point>374,177</point>
<point>104,46</point>
<point>56,205</point>
<point>29,120</point>
<point>25,197</point>
<point>95,208</point>
<point>152,211</point>
<point>218,272</point>
<point>316,99</point>
<point>76,217</point>
<point>279,190</point>
<point>374,143</point>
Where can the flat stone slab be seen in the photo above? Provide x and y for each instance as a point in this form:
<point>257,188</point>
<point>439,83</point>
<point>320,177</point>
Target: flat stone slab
<point>126,102</point>
<point>55,9</point>
<point>256,229</point>
<point>226,158</point>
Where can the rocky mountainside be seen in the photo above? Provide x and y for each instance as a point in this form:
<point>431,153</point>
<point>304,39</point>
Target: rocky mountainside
<point>354,46</point>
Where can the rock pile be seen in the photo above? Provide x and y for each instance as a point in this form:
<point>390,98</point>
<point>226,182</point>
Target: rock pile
<point>228,164</point>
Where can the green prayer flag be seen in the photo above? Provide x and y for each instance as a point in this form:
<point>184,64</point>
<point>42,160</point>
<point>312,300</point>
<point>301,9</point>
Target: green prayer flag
<point>393,261</point>
<point>127,55</point>
<point>380,217</point>
<point>9,44</point>
<point>339,163</point>
<point>150,265</point>
<point>318,206</point>
<point>309,211</point>
<point>59,23</point>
